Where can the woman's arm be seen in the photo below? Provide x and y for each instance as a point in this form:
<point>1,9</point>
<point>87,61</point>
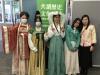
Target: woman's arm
<point>31,45</point>
<point>62,32</point>
<point>68,40</point>
<point>78,40</point>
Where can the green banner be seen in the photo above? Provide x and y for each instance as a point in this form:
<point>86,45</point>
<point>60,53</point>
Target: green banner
<point>46,6</point>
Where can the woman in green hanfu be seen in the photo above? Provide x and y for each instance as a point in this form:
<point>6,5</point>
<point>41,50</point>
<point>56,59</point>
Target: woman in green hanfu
<point>71,44</point>
<point>55,34</point>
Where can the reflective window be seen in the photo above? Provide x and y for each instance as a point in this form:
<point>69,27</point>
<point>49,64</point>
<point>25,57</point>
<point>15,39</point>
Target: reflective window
<point>9,11</point>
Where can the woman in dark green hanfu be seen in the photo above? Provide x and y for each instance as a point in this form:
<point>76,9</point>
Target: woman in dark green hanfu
<point>56,61</point>
<point>36,45</point>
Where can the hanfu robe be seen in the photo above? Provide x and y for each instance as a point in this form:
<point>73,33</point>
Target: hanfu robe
<point>15,40</point>
<point>37,52</point>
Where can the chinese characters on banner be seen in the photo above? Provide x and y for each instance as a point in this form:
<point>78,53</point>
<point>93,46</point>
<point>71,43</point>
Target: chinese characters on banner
<point>46,6</point>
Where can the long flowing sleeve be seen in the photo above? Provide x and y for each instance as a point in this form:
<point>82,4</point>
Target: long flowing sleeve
<point>9,37</point>
<point>93,35</point>
<point>50,32</point>
<point>13,34</point>
<point>31,45</point>
<point>5,39</point>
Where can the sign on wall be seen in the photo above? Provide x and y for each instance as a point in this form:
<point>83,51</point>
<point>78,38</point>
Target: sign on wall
<point>46,6</point>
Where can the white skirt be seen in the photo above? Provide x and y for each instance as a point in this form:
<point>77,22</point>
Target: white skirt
<point>71,61</point>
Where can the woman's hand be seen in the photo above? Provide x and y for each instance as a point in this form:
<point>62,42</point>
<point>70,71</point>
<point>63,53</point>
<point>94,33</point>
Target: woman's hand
<point>53,29</point>
<point>62,29</point>
<point>91,48</point>
<point>46,33</point>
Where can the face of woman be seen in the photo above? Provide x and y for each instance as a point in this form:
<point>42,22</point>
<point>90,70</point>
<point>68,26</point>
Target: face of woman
<point>77,23</point>
<point>85,21</point>
<point>24,19</point>
<point>38,23</point>
<point>38,15</point>
<point>57,19</point>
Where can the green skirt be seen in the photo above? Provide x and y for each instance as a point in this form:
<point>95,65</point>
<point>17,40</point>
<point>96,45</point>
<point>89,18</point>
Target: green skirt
<point>56,61</point>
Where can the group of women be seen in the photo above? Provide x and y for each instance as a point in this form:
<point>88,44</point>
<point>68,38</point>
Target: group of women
<point>70,46</point>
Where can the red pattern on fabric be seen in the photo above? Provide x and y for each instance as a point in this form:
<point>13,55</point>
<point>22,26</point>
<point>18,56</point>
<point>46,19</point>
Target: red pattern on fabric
<point>26,46</point>
<point>13,37</point>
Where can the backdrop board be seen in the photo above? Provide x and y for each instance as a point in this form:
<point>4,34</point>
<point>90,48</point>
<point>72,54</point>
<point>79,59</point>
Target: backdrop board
<point>91,8</point>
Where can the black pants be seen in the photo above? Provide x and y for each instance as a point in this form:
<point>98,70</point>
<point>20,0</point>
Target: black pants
<point>85,59</point>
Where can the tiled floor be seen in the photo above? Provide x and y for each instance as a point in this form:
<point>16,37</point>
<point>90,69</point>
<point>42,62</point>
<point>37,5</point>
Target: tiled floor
<point>5,66</point>
<point>6,61</point>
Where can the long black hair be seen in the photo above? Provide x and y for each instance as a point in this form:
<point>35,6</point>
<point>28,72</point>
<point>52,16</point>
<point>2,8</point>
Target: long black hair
<point>74,21</point>
<point>24,13</point>
<point>87,18</point>
<point>37,16</point>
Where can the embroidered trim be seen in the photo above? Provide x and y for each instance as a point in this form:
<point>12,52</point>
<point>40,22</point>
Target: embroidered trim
<point>6,39</point>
